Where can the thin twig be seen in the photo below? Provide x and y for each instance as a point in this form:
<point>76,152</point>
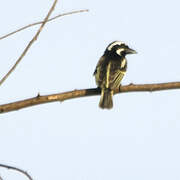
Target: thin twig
<point>40,22</point>
<point>17,169</point>
<point>84,93</point>
<point>30,43</point>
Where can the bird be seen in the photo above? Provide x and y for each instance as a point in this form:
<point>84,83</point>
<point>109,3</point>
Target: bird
<point>110,70</point>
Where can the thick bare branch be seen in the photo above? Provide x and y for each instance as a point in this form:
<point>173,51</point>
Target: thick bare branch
<point>40,22</point>
<point>30,43</point>
<point>17,169</point>
<point>84,93</point>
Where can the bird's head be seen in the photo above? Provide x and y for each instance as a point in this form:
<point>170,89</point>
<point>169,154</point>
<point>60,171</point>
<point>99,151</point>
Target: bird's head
<point>118,48</point>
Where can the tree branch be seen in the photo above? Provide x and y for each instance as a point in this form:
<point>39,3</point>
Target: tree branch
<point>84,93</point>
<point>30,43</point>
<point>17,169</point>
<point>40,22</point>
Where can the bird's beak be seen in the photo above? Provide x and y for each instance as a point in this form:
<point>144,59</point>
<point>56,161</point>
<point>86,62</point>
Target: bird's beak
<point>130,51</point>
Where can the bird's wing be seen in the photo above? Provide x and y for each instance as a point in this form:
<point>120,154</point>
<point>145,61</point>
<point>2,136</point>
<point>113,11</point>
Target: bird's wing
<point>116,79</point>
<point>100,72</point>
<point>116,74</point>
<point>100,62</point>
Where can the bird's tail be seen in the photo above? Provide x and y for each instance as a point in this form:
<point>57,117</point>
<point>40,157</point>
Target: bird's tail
<point>106,101</point>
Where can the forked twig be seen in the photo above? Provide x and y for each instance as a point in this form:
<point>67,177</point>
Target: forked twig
<point>40,22</point>
<point>29,44</point>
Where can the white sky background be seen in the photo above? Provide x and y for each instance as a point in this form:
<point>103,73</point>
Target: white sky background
<point>75,140</point>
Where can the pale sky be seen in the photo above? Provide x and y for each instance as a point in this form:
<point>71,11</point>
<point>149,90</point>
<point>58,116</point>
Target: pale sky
<point>75,140</point>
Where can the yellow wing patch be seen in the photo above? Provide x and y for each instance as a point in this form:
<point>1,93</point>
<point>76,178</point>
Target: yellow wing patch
<point>117,79</point>
<point>107,74</point>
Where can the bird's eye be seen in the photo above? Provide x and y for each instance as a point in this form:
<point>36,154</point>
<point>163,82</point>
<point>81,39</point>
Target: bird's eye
<point>119,51</point>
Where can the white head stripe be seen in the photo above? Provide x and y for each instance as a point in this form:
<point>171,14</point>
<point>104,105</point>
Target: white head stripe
<point>114,44</point>
<point>118,51</point>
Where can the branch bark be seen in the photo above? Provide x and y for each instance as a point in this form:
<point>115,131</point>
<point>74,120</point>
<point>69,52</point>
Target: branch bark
<point>16,169</point>
<point>84,93</point>
<point>29,44</point>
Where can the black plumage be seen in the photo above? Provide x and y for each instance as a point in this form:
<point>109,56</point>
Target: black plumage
<point>110,70</point>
